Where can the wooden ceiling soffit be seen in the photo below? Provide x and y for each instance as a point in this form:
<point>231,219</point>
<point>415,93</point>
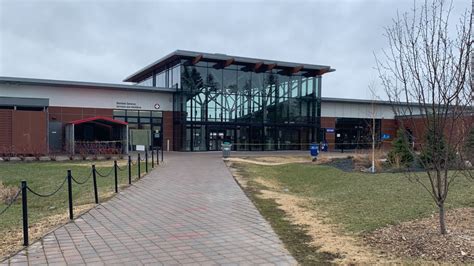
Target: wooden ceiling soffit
<point>197,59</point>
<point>296,69</point>
<point>257,66</point>
<point>228,62</point>
<point>271,66</point>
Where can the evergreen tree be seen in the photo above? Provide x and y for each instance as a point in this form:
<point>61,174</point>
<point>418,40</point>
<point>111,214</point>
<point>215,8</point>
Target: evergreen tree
<point>400,154</point>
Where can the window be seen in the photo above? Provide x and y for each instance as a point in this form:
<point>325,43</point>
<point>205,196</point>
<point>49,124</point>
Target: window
<point>161,79</point>
<point>146,82</point>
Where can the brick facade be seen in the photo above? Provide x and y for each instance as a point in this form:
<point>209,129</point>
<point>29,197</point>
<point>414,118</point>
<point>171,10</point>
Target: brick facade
<point>168,130</point>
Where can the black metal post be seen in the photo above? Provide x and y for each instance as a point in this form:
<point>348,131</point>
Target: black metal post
<point>146,161</point>
<point>152,158</point>
<point>138,160</point>
<point>24,206</point>
<point>69,191</point>
<point>115,176</point>
<point>94,180</point>
<point>158,156</point>
<point>162,158</point>
<point>129,170</point>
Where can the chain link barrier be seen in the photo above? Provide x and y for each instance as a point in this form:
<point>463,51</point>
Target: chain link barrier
<point>122,169</point>
<point>105,175</point>
<point>83,182</point>
<point>49,194</point>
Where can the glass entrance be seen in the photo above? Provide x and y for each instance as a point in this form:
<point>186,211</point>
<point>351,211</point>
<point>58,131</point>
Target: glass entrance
<point>216,138</point>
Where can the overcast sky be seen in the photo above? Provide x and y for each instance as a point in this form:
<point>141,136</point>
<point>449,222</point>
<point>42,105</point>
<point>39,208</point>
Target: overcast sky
<point>105,41</point>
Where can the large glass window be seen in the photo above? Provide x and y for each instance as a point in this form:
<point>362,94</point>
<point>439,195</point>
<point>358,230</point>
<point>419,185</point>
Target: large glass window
<point>146,82</point>
<point>257,110</point>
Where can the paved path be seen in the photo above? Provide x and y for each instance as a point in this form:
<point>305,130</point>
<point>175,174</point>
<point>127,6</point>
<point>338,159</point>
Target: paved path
<point>189,211</point>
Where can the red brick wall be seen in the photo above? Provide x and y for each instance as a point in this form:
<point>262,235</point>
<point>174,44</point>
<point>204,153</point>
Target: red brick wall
<point>329,122</point>
<point>168,129</point>
<point>67,114</point>
<point>5,131</point>
<point>29,132</point>
<point>453,133</point>
<point>389,126</point>
<point>23,132</point>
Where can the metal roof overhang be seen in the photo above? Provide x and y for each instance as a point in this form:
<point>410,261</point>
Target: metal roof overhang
<point>98,119</point>
<point>80,84</point>
<point>226,60</point>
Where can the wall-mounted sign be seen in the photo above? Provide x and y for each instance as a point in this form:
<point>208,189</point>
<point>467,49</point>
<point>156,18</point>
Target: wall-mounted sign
<point>330,130</point>
<point>157,106</point>
<point>127,105</point>
<point>385,136</point>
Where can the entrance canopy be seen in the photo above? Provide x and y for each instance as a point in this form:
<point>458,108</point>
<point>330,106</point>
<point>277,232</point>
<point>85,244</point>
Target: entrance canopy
<point>97,135</point>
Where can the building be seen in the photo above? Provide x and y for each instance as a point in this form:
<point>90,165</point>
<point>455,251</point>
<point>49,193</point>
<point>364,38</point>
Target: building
<point>187,101</point>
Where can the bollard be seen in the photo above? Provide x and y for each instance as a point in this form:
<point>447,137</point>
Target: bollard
<point>94,180</point>
<point>115,176</point>
<point>157,156</point>
<point>138,160</point>
<point>69,191</point>
<point>152,158</point>
<point>129,170</point>
<point>24,206</point>
<point>146,161</point>
<point>162,154</point>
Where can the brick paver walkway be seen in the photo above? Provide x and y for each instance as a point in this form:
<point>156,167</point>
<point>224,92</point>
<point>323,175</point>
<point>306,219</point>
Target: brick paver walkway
<point>189,211</point>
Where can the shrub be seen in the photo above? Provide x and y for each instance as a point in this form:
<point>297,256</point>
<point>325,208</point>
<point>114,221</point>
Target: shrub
<point>400,155</point>
<point>7,194</point>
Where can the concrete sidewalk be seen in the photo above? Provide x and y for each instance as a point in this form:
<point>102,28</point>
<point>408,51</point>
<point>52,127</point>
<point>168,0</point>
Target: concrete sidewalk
<point>187,211</point>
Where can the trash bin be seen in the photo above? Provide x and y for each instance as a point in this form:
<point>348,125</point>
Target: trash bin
<point>226,147</point>
<point>314,151</point>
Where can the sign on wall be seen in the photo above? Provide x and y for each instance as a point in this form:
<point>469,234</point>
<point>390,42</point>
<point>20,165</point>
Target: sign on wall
<point>127,105</point>
<point>330,130</point>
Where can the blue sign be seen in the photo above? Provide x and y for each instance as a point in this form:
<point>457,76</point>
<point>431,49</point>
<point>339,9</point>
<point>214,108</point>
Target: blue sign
<point>330,130</point>
<point>385,136</point>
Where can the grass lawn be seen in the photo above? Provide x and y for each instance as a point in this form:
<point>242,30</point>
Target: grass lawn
<point>360,202</point>
<point>45,177</point>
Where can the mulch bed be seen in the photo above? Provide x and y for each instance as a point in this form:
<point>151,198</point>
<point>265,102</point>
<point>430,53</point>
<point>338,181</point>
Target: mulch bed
<point>420,239</point>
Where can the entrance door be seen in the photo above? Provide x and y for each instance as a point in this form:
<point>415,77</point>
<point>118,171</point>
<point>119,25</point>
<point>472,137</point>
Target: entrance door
<point>216,138</point>
<point>55,136</point>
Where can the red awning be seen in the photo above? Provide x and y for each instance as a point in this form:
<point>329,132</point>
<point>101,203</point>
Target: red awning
<point>97,118</point>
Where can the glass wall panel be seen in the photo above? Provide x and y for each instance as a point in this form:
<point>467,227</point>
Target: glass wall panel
<point>257,111</point>
<point>146,82</point>
<point>160,79</point>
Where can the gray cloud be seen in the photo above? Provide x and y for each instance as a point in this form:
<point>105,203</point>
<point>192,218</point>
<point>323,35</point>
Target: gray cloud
<point>105,41</point>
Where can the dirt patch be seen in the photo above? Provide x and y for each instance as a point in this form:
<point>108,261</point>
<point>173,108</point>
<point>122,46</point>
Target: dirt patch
<point>421,238</point>
<point>12,240</point>
<point>327,237</point>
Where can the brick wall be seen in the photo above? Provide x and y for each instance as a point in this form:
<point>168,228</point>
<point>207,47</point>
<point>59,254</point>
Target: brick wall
<point>68,114</point>
<point>168,129</point>
<point>329,122</point>
<point>23,132</point>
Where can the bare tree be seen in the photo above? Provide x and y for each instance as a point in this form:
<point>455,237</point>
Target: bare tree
<point>427,77</point>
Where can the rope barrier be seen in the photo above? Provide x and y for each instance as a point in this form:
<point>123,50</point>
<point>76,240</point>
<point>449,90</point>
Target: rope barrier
<point>11,202</point>
<point>83,182</point>
<point>49,194</point>
<point>102,175</point>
